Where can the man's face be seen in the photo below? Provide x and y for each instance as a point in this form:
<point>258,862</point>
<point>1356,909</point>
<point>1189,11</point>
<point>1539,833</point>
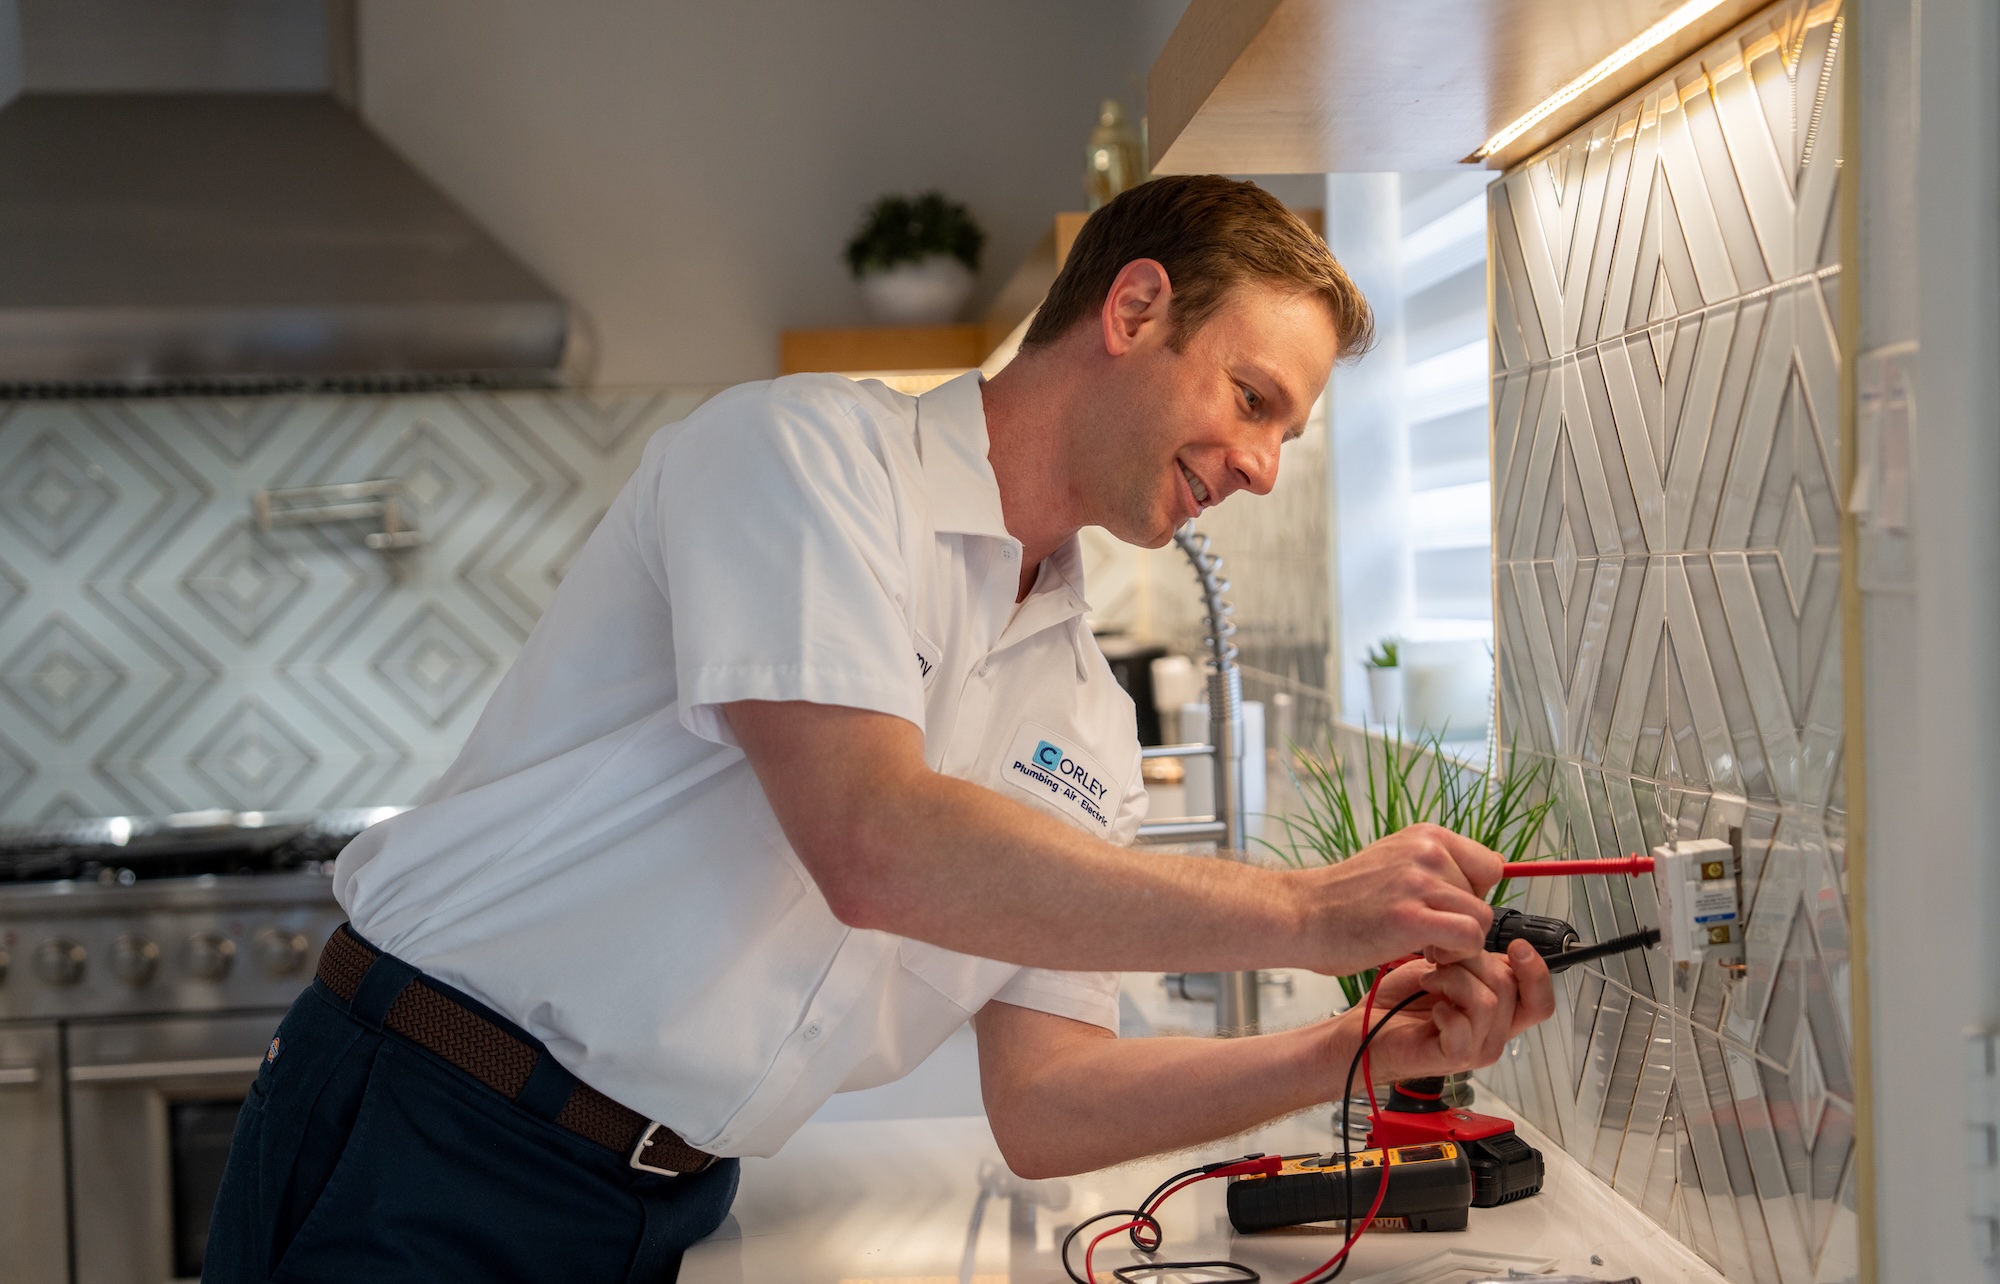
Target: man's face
<point>1179,432</point>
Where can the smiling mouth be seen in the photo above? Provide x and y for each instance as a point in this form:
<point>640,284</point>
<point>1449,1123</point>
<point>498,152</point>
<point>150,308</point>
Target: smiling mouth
<point>1195,486</point>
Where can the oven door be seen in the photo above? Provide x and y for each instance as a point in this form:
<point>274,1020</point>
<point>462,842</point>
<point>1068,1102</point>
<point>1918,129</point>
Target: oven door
<point>152,1107</point>
<point>31,1156</point>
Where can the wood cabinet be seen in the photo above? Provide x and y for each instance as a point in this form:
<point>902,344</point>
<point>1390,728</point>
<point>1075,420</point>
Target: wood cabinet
<point>1318,86</point>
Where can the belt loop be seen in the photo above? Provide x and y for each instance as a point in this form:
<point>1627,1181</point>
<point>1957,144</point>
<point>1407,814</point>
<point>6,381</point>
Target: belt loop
<point>547,1090</point>
<point>379,989</point>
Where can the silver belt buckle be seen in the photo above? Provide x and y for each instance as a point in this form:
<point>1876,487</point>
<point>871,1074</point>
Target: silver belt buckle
<point>638,1151</point>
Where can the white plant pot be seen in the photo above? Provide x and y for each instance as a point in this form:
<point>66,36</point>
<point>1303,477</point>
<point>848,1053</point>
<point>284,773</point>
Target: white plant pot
<point>928,292</point>
<point>1385,694</point>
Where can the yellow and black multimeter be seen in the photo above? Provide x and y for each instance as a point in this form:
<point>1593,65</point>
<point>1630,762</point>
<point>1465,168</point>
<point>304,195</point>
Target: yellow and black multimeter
<point>1430,1189</point>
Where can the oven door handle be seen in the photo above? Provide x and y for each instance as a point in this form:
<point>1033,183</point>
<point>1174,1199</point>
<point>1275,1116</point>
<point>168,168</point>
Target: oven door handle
<point>20,1076</point>
<point>136,1071</point>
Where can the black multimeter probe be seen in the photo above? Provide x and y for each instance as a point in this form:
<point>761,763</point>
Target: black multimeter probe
<point>1644,938</point>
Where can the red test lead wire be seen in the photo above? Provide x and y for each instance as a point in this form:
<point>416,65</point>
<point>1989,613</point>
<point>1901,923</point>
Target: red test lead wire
<point>1261,1165</point>
<point>1265,1165</point>
<point>1634,865</point>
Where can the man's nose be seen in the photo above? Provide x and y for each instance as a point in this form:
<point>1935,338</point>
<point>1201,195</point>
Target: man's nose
<point>1256,464</point>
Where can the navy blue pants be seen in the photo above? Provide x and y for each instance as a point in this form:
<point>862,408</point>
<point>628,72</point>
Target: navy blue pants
<point>360,1156</point>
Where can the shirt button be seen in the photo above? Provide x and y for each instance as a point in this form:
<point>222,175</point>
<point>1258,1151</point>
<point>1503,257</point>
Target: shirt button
<point>982,670</point>
<point>1007,552</point>
<point>811,1031</point>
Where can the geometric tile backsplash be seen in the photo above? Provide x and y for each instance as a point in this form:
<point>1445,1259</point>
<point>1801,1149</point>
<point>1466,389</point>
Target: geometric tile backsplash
<point>159,653</point>
<point>1665,443</point>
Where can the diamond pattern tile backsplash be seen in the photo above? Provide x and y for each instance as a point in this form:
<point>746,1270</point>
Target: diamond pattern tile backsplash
<point>1665,445</point>
<point>160,653</point>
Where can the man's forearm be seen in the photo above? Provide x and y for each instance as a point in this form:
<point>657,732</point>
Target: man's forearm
<point>960,866</point>
<point>896,846</point>
<point>1065,1097</point>
<point>1084,1102</point>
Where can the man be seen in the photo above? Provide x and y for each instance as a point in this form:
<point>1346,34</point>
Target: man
<point>811,760</point>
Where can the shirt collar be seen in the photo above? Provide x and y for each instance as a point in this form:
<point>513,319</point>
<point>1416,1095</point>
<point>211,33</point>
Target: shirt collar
<point>951,437</point>
<point>965,495</point>
<point>1063,570</point>
<point>1057,597</point>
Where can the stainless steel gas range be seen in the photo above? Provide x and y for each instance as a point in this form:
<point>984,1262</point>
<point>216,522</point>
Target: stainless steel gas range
<point>143,967</point>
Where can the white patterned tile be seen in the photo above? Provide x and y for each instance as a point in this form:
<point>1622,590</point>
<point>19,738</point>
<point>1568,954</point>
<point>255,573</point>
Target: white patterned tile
<point>161,654</point>
<point>1698,429</point>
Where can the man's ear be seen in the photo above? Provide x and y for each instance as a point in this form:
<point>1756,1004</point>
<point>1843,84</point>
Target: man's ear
<point>1136,304</point>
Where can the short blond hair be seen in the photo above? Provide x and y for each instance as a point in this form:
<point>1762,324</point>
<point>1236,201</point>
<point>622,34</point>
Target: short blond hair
<point>1210,233</point>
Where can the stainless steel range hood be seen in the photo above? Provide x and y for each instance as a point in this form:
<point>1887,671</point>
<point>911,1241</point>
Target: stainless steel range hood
<point>172,241</point>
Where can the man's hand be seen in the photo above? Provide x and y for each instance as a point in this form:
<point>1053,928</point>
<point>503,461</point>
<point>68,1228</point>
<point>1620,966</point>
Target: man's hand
<point>1421,890</point>
<point>1475,1007</point>
<point>1064,1097</point>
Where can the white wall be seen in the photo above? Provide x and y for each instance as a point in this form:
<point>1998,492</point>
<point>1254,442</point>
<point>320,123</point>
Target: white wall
<point>1930,274</point>
<point>688,173</point>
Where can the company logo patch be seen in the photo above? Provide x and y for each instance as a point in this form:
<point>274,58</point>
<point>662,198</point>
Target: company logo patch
<point>271,1053</point>
<point>1057,774</point>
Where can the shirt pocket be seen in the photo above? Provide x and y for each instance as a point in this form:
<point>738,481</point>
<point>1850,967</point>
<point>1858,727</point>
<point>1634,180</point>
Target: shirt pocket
<point>965,979</point>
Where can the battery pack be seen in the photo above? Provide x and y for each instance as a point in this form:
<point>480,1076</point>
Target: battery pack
<point>1430,1189</point>
<point>1504,1169</point>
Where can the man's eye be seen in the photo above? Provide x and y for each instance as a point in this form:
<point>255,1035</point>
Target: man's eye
<point>1251,399</point>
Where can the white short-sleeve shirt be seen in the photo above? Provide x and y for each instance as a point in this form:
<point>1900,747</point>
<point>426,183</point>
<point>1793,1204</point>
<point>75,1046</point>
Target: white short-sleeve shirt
<point>600,863</point>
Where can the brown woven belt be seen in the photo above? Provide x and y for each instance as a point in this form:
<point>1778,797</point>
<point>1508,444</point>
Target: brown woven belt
<point>443,1026</point>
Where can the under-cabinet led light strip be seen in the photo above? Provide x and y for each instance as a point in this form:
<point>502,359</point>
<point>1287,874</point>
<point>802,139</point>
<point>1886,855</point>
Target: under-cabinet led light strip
<point>1624,54</point>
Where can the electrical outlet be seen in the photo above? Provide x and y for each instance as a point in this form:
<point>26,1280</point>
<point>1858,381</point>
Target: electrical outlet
<point>1701,912</point>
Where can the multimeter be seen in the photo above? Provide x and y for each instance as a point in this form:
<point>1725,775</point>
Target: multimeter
<point>1430,1189</point>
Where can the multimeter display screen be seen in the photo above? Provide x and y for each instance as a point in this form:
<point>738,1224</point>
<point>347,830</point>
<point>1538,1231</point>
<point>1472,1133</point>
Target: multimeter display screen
<point>1419,1154</point>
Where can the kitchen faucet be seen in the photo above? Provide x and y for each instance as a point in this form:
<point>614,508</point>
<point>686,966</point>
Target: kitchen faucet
<point>1235,992</point>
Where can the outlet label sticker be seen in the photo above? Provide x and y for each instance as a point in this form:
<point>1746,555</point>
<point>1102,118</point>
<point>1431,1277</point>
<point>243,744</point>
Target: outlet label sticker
<point>1715,905</point>
<point>1051,768</point>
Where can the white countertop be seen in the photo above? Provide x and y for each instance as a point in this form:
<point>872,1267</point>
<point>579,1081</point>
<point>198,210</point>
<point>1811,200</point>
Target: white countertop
<point>860,1195</point>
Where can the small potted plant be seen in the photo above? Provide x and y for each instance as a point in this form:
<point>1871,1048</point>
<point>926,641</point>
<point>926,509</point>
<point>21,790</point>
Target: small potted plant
<point>1385,681</point>
<point>914,258</point>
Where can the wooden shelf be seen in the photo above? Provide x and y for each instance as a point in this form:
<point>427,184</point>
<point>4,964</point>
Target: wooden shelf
<point>1319,86</point>
<point>898,347</point>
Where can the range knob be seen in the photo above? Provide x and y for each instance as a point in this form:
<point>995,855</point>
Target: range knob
<point>60,962</point>
<point>209,956</point>
<point>281,953</point>
<point>134,959</point>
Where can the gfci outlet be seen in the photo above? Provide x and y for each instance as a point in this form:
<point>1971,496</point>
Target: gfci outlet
<point>1701,914</point>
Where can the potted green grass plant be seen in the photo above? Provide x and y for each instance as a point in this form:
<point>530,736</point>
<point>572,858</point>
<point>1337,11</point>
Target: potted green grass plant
<point>1504,806</point>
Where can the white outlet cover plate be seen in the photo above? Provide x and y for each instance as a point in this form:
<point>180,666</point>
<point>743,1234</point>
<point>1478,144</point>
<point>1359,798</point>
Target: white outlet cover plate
<point>1457,1266</point>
